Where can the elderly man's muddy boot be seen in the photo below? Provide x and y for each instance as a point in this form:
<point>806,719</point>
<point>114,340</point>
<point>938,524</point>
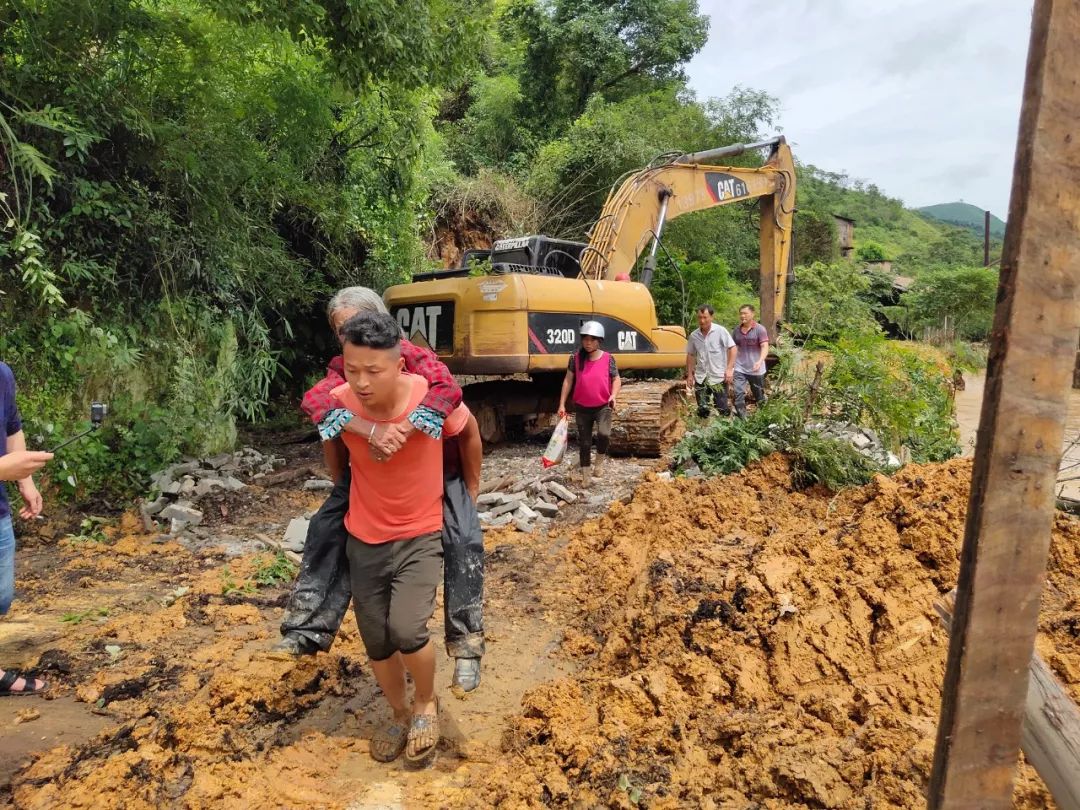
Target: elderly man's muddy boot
<point>586,477</point>
<point>466,676</point>
<point>292,646</point>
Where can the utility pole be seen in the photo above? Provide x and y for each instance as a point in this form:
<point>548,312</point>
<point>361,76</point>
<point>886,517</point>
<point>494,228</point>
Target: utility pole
<point>1021,430</point>
<point>986,238</point>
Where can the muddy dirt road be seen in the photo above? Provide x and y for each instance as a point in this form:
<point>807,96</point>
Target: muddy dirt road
<point>721,643</point>
<point>163,695</point>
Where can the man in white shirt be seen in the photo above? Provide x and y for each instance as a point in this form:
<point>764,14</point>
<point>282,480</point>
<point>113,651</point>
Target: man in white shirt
<point>710,363</point>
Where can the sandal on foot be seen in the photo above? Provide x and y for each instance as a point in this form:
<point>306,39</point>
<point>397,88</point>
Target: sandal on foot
<point>9,678</point>
<point>424,735</point>
<point>389,741</point>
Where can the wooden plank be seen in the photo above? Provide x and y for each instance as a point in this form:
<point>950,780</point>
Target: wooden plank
<point>1007,535</point>
<point>1051,734</point>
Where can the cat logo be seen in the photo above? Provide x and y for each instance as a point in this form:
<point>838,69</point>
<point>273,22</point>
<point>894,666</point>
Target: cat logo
<point>627,341</point>
<point>430,326</point>
<point>723,186</point>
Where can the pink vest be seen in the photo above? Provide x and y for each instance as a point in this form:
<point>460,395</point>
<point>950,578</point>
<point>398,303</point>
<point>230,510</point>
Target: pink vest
<point>592,381</point>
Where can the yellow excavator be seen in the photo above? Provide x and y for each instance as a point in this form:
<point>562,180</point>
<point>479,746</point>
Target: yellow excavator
<point>508,319</point>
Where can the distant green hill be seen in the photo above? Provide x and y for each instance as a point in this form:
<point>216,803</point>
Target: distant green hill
<point>965,215</point>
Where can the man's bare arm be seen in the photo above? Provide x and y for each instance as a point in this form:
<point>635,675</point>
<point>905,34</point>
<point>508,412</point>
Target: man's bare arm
<point>336,457</point>
<point>471,452</point>
<point>761,359</point>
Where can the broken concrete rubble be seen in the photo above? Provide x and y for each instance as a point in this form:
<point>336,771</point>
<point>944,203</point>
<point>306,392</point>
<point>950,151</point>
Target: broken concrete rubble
<point>194,479</point>
<point>296,534</point>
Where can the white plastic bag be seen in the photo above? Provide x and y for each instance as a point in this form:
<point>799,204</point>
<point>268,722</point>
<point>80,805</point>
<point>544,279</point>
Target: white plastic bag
<point>556,447</point>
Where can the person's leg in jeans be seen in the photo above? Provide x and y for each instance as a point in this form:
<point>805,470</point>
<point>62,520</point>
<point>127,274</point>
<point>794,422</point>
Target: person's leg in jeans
<point>11,682</point>
<point>757,388</point>
<point>702,395</point>
<point>603,435</point>
<point>463,583</point>
<point>740,394</point>
<point>720,399</point>
<point>7,564</point>
<point>320,597</point>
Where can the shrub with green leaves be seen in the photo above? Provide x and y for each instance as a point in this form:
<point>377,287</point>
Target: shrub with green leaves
<point>960,300</point>
<point>868,382</point>
<point>829,302</point>
<point>888,387</point>
<point>678,291</point>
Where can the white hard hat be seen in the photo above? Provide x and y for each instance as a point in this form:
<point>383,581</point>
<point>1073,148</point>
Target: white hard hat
<point>593,328</point>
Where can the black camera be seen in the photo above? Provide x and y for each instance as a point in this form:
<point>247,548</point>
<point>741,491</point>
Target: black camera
<point>98,411</point>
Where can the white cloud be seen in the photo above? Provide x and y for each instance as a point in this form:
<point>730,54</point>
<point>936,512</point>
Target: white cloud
<point>921,97</point>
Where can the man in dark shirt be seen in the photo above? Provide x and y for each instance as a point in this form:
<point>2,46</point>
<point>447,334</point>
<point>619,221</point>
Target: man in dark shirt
<point>752,344</point>
<point>16,464</point>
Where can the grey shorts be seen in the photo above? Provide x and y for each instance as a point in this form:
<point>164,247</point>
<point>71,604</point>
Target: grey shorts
<point>393,587</point>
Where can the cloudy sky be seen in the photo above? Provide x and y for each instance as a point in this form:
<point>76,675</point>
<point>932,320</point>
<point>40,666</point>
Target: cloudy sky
<point>921,97</point>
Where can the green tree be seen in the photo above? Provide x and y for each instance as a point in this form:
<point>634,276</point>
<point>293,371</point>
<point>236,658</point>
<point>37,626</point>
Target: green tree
<point>615,48</point>
<point>829,302</point>
<point>679,291</point>
<point>961,299</point>
<point>815,237</point>
<point>182,182</point>
<point>871,252</point>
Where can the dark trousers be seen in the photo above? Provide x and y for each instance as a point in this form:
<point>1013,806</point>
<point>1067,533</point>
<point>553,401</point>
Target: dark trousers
<point>757,388</point>
<point>586,418</point>
<point>711,395</point>
<point>320,596</point>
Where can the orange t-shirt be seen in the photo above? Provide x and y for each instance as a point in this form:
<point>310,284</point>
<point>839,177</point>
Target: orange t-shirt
<point>401,497</point>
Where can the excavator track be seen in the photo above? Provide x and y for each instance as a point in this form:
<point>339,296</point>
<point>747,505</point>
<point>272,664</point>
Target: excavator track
<point>649,419</point>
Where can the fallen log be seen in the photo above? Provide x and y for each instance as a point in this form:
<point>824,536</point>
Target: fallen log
<point>1050,738</point>
<point>497,485</point>
<point>284,477</point>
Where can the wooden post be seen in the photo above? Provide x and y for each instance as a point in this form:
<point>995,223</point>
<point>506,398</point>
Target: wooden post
<point>1051,736</point>
<point>1028,379</point>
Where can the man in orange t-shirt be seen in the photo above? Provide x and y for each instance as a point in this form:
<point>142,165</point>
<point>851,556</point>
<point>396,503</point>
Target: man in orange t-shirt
<point>395,523</point>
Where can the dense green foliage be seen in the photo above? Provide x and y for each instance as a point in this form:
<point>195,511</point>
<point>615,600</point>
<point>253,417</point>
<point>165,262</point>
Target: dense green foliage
<point>869,382</point>
<point>958,300</point>
<point>965,215</point>
<point>830,302</point>
<point>183,182</point>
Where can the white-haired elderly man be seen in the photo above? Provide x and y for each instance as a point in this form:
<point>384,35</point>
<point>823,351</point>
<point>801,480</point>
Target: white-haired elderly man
<point>320,597</point>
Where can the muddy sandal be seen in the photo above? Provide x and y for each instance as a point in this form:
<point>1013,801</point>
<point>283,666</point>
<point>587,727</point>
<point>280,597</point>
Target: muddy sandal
<point>424,735</point>
<point>389,741</point>
<point>9,678</point>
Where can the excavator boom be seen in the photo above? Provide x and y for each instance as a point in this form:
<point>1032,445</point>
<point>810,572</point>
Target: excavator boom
<point>637,210</point>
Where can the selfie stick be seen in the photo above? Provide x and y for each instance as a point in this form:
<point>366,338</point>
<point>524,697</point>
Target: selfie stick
<point>75,438</point>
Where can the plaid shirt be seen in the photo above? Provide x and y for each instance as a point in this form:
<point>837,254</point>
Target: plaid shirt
<point>442,397</point>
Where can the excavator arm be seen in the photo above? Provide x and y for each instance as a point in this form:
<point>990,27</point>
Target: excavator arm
<point>637,210</point>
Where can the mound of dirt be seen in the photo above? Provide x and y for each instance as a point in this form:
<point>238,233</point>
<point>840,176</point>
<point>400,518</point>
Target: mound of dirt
<point>752,646</point>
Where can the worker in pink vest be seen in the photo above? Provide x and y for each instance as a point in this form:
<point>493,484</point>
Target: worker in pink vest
<point>592,375</point>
